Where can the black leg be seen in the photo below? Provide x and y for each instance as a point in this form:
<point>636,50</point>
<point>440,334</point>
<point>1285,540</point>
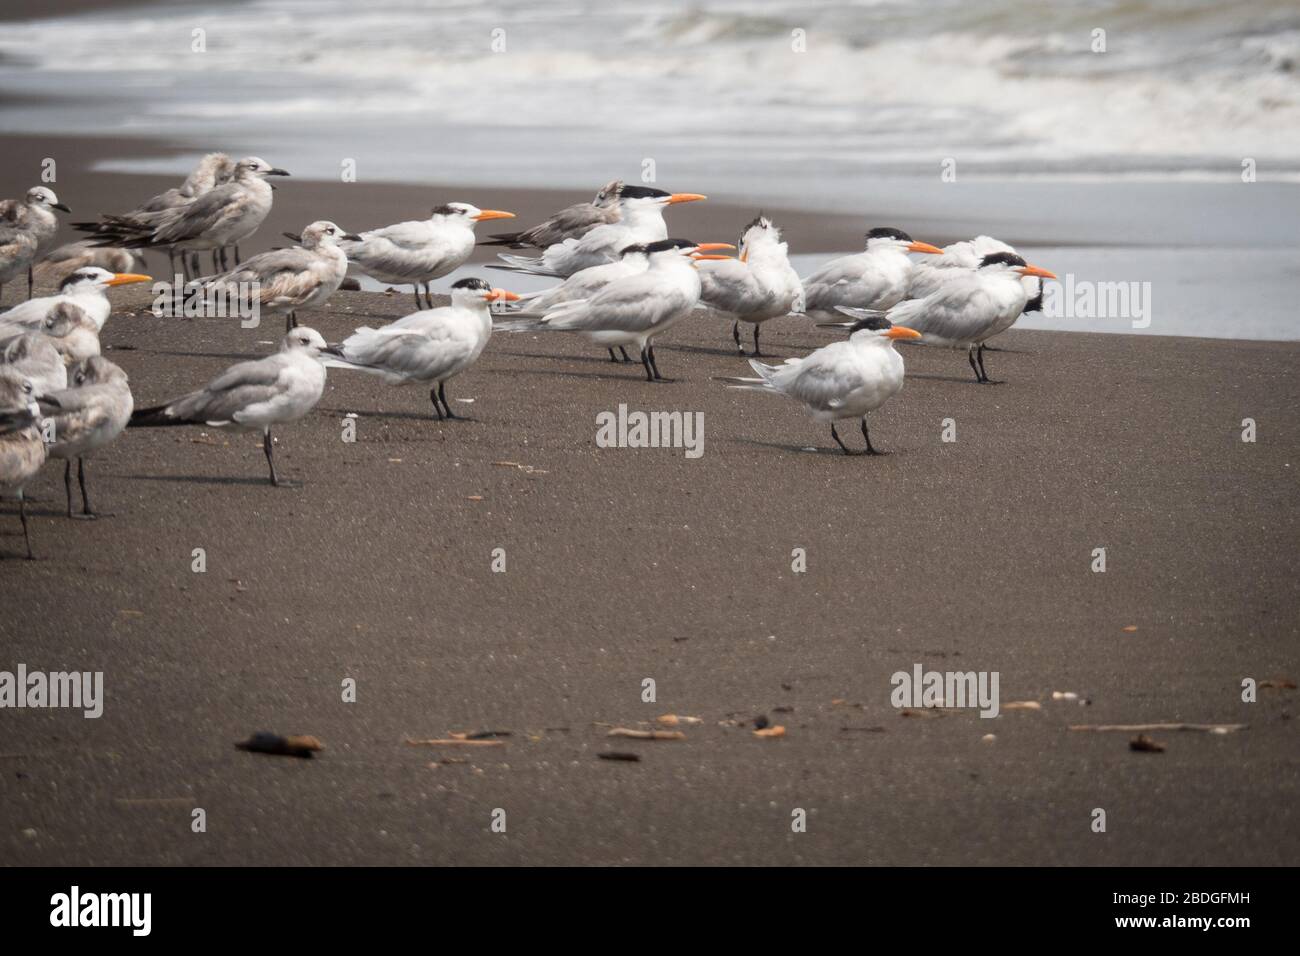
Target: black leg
<point>433,397</point>
<point>216,262</point>
<point>30,281</point>
<point>735,334</point>
<point>867,436</point>
<point>86,510</point>
<point>237,259</point>
<point>171,263</point>
<point>653,364</point>
<point>612,357</point>
<point>194,264</point>
<point>624,353</point>
<point>756,351</point>
<point>22,516</point>
<point>428,295</point>
<point>418,304</point>
<point>645,360</point>
<point>836,436</point>
<point>970,354</point>
<point>67,483</point>
<point>266,447</point>
<point>442,394</point>
<point>979,357</point>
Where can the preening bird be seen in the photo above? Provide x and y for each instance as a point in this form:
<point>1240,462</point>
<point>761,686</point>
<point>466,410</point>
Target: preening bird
<point>33,356</point>
<point>841,380</point>
<point>27,230</point>
<point>67,327</point>
<point>759,285</point>
<point>87,415</point>
<point>22,448</point>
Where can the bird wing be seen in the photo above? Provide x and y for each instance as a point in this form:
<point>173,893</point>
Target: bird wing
<point>633,304</point>
<point>955,312</point>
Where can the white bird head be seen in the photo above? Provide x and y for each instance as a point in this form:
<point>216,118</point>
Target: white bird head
<point>887,237</point>
<point>467,213</point>
<point>254,167</point>
<point>474,293</point>
<point>41,196</point>
<point>93,277</point>
<point>324,232</point>
<point>761,239</point>
<point>303,338</point>
<point>876,327</point>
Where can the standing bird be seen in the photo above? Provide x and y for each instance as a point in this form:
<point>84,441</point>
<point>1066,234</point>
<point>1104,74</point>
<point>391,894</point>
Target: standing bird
<point>641,220</point>
<point>876,278</point>
<point>757,286</point>
<point>636,309</point>
<point>970,308</point>
<point>27,229</point>
<point>571,222</point>
<point>279,388</point>
<point>87,415</point>
<point>429,346</point>
<point>219,218</point>
<point>285,280</point>
<point>34,357</point>
<point>213,170</point>
<point>86,289</point>
<point>841,380</point>
<point>67,327</point>
<point>415,253</point>
<point>22,449</point>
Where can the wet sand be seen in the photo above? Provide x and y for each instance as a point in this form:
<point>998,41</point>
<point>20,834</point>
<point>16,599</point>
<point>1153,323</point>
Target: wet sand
<point>624,565</point>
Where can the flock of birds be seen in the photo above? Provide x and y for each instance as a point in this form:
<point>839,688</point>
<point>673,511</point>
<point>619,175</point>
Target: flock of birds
<point>623,283</point>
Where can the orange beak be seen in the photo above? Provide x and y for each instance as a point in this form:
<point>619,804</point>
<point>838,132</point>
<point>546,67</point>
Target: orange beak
<point>684,197</point>
<point>702,255</point>
<point>1035,271</point>
<point>497,295</point>
<point>711,246</point>
<point>926,248</point>
<point>126,278</point>
<point>493,214</point>
<point>902,332</point>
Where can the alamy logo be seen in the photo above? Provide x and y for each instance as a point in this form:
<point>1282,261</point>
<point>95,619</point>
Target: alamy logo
<point>651,430</point>
<point>80,690</point>
<point>103,909</point>
<point>923,688</point>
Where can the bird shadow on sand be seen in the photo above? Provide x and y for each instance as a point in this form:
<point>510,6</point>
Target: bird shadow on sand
<point>210,480</point>
<point>228,356</point>
<point>400,416</point>
<point>830,451</point>
<point>613,375</point>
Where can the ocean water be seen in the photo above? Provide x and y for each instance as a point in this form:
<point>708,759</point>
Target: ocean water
<point>793,100</point>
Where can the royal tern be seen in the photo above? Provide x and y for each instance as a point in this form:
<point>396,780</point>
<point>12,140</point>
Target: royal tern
<point>285,280</point>
<point>841,380</point>
<point>85,288</point>
<point>757,286</point>
<point>34,357</point>
<point>282,387</point>
<point>213,170</point>
<point>427,347</point>
<point>970,308</point>
<point>415,253</point>
<point>572,222</point>
<point>876,278</point>
<point>641,220</point>
<point>67,327</point>
<point>87,415</point>
<point>221,217</point>
<point>22,449</point>
<point>636,309</point>
<point>27,229</point>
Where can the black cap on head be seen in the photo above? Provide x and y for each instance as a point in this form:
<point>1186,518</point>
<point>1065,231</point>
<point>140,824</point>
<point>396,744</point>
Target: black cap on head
<point>80,275</point>
<point>472,283</point>
<point>663,245</point>
<point>1005,258</point>
<point>888,232</point>
<point>876,323</point>
<point>641,192</point>
<point>635,247</point>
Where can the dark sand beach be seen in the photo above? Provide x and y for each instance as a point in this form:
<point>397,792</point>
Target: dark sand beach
<point>628,564</point>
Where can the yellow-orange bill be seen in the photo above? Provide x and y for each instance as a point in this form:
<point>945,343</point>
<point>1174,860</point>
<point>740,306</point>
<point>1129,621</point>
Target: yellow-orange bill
<point>713,246</point>
<point>493,214</point>
<point>499,294</point>
<point>902,332</point>
<point>925,247</point>
<point>1036,271</point>
<point>685,197</point>
<point>126,278</point>
<point>706,255</point>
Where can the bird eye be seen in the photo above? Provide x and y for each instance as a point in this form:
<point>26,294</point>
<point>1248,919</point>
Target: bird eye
<point>27,387</point>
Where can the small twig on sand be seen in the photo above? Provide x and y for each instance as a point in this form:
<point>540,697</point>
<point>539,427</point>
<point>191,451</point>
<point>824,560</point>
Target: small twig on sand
<point>1138,728</point>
